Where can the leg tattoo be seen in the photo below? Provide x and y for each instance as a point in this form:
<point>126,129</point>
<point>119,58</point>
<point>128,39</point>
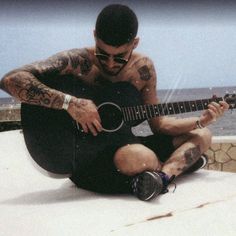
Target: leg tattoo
<point>191,156</point>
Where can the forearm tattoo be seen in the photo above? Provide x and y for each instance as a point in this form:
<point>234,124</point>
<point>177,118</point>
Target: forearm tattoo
<point>191,156</point>
<point>29,90</point>
<point>27,83</point>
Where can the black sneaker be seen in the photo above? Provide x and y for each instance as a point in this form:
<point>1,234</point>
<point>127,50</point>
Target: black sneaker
<point>150,184</point>
<point>199,164</point>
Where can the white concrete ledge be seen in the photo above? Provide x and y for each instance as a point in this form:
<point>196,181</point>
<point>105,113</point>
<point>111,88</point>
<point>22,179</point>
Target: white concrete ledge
<point>224,139</point>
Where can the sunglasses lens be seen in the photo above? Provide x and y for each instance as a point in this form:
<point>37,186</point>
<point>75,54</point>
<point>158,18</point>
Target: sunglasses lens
<point>120,60</point>
<point>102,57</point>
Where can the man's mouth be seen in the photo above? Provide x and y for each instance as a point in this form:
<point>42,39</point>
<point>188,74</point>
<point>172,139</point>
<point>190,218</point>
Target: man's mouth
<point>112,71</point>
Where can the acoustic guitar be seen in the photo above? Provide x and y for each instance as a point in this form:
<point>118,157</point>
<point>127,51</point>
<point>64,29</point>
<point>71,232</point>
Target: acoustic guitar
<point>54,134</point>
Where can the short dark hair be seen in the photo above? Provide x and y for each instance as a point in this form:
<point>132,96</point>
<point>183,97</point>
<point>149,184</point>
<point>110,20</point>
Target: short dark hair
<point>116,25</point>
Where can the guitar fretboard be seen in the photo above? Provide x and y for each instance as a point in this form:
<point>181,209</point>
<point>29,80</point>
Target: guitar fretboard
<point>147,111</point>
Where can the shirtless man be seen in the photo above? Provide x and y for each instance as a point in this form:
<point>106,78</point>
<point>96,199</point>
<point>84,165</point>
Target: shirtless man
<point>146,167</point>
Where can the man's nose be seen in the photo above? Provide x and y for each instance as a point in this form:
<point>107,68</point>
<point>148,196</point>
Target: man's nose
<point>110,62</point>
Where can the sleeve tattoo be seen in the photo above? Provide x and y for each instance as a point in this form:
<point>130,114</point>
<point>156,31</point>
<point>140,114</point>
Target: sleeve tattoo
<point>27,83</point>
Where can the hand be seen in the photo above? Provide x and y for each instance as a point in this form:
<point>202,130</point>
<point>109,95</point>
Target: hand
<point>84,111</point>
<point>214,111</point>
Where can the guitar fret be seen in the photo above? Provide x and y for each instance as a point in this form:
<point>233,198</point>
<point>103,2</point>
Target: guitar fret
<point>205,103</point>
<point>141,112</point>
<point>156,110</point>
<point>170,108</point>
<point>129,115</point>
<point>124,114</point>
<point>193,105</point>
<point>150,111</point>
<point>160,109</point>
<point>138,113</point>
<point>135,113</point>
<point>174,112</point>
<point>132,113</point>
<point>179,107</point>
<point>165,109</point>
<point>199,105</point>
<point>182,107</point>
<point>176,108</point>
<point>146,112</point>
<point>187,106</point>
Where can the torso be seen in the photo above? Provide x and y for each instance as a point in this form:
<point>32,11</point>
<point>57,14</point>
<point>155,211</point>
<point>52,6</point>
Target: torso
<point>132,72</point>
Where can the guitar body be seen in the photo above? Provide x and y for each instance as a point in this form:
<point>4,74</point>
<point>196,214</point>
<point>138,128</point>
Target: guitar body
<point>53,138</point>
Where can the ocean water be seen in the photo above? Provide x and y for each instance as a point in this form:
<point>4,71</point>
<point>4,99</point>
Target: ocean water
<point>226,125</point>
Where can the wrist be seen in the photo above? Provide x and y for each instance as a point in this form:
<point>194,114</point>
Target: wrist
<point>199,125</point>
<point>66,102</point>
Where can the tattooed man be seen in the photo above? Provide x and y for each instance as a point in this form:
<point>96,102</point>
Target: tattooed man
<point>146,165</point>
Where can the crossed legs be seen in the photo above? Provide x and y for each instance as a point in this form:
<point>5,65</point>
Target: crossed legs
<point>133,159</point>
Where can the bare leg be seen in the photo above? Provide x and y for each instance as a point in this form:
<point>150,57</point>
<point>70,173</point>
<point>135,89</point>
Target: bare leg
<point>133,159</point>
<point>189,149</point>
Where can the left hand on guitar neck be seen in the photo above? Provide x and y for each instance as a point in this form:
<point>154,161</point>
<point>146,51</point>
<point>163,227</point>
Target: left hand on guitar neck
<point>214,111</point>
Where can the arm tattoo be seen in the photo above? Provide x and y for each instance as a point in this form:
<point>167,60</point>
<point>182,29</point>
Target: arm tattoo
<point>29,83</point>
<point>191,156</point>
<point>51,67</point>
<point>144,73</point>
<point>32,91</point>
<point>79,58</point>
<point>145,68</point>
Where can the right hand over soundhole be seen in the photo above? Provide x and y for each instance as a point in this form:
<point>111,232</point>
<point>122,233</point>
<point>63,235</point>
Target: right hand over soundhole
<point>84,111</point>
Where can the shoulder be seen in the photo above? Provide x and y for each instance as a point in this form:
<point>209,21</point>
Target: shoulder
<point>76,60</point>
<point>143,67</point>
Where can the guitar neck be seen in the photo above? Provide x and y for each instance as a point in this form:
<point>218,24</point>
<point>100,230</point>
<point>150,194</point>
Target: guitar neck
<point>147,111</point>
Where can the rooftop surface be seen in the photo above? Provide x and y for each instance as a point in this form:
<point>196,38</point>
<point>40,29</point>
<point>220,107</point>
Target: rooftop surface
<point>31,203</point>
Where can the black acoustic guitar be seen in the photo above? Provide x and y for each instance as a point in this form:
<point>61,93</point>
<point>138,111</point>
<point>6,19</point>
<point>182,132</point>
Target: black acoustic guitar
<point>54,134</point>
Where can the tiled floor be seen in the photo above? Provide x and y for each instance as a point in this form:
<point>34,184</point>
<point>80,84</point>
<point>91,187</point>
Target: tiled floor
<point>34,204</point>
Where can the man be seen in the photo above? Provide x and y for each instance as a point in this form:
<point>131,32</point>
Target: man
<point>143,166</point>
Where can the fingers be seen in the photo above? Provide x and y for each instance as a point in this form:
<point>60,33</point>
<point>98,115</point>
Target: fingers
<point>94,127</point>
<point>85,112</point>
<point>224,105</point>
<point>214,111</point>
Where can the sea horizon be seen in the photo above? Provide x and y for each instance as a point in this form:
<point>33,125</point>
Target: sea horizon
<point>166,95</point>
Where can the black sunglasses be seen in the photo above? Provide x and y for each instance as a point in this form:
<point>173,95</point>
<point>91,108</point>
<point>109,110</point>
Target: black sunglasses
<point>104,57</point>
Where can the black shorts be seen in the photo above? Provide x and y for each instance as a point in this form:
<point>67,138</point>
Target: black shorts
<point>102,175</point>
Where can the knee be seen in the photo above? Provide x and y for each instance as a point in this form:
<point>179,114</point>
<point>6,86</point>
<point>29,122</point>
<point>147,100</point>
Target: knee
<point>135,158</point>
<point>205,137</point>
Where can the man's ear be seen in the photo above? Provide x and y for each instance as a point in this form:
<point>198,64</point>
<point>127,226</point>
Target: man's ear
<point>136,42</point>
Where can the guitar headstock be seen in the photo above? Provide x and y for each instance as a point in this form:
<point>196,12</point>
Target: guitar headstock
<point>231,100</point>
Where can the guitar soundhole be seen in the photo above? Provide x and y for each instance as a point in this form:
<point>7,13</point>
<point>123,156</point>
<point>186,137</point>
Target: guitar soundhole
<point>111,116</point>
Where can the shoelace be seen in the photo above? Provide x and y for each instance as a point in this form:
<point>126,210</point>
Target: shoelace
<point>167,181</point>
